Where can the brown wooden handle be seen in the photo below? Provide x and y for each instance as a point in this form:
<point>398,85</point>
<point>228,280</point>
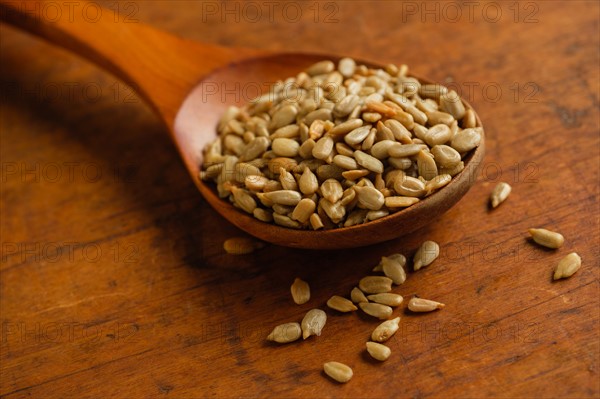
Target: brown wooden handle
<point>159,66</point>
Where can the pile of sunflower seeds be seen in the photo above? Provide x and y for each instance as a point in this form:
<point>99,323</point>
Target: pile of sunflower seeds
<point>341,145</point>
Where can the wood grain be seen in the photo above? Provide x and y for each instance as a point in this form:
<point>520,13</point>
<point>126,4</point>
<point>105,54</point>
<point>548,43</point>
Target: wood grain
<point>114,281</point>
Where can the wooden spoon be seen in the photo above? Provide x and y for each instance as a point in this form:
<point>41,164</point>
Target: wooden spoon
<point>190,84</point>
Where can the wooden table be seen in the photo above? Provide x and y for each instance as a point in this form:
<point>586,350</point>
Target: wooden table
<point>114,281</point>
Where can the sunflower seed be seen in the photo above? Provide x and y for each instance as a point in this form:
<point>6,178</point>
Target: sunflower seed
<point>547,238</point>
<point>358,135</point>
<point>404,150</point>
<point>303,210</point>
<point>499,194</point>
<point>385,330</point>
<point>284,333</point>
<point>393,267</point>
<point>300,291</point>
<point>313,323</point>
<point>243,199</point>
<point>283,117</point>
<point>332,190</point>
<point>369,197</point>
<point>409,186</point>
<point>346,127</point>
<point>400,202</point>
<point>423,305</point>
<point>450,102</point>
<point>287,180</point>
<point>341,304</point>
<point>378,351</point>
<point>315,222</point>
<point>466,140</point>
<point>285,147</point>
<point>284,197</point>
<point>285,221</point>
<point>469,120</point>
<point>320,68</point>
<point>345,162</point>
<point>436,183</point>
<point>375,284</point>
<point>426,254</point>
<point>445,156</point>
<point>567,266</point>
<point>308,182</point>
<point>323,147</point>
<point>426,165</point>
<point>263,215</point>
<point>241,245</point>
<point>386,298</point>
<point>376,310</point>
<point>357,295</point>
<point>347,66</point>
<point>338,371</point>
<point>368,162</point>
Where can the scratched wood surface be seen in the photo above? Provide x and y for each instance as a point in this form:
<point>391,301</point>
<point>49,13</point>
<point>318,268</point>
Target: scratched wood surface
<point>113,278</point>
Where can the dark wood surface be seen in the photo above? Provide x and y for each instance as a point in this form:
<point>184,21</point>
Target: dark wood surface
<point>113,277</point>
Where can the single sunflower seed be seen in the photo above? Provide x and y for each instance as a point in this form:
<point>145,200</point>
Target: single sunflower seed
<point>423,305</point>
<point>300,291</point>
<point>284,333</point>
<point>385,330</point>
<point>375,284</point>
<point>393,267</point>
<point>341,304</point>
<point>567,266</point>
<point>313,323</point>
<point>357,295</point>
<point>338,371</point>
<point>547,238</point>
<point>376,310</point>
<point>241,245</point>
<point>386,298</point>
<point>378,351</point>
<point>426,254</point>
<point>500,194</point>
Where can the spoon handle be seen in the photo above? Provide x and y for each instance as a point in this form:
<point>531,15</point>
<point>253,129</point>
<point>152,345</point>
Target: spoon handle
<point>161,67</point>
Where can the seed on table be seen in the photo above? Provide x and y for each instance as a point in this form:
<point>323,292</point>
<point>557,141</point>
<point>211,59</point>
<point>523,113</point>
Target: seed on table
<point>376,310</point>
<point>241,245</point>
<point>386,298</point>
<point>338,371</point>
<point>423,305</point>
<point>378,351</point>
<point>426,254</point>
<point>357,295</point>
<point>313,323</point>
<point>567,266</point>
<point>300,291</point>
<point>385,330</point>
<point>375,284</point>
<point>393,267</point>
<point>284,333</point>
<point>341,304</point>
<point>500,193</point>
<point>547,238</point>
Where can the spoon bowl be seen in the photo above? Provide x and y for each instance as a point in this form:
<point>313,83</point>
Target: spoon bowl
<point>191,88</point>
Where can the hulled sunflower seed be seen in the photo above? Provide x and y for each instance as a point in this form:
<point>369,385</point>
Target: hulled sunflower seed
<point>378,351</point>
<point>332,190</point>
<point>368,162</point>
<point>375,284</point>
<point>386,298</point>
<point>369,197</point>
<point>500,193</point>
<point>320,68</point>
<point>426,165</point>
<point>313,323</point>
<point>436,135</point>
<point>385,330</point>
<point>305,208</point>
<point>284,333</point>
<point>376,310</point>
<point>409,186</point>
<point>347,66</point>
<point>341,304</point>
<point>357,295</point>
<point>400,202</point>
<point>547,238</point>
<point>300,291</point>
<point>466,140</point>
<point>243,199</point>
<point>567,266</point>
<point>445,156</point>
<point>423,305</point>
<point>241,245</point>
<point>393,267</point>
<point>346,127</point>
<point>452,104</point>
<point>285,147</point>
<point>308,182</point>
<point>284,197</point>
<point>426,254</point>
<point>338,371</point>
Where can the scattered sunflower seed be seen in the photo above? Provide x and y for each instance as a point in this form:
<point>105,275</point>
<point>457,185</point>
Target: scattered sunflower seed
<point>285,333</point>
<point>358,296</point>
<point>547,238</point>
<point>300,291</point>
<point>500,194</point>
<point>375,284</point>
<point>338,371</point>
<point>241,245</point>
<point>385,330</point>
<point>313,323</point>
<point>386,298</point>
<point>393,267</point>
<point>378,351</point>
<point>567,266</point>
<point>423,305</point>
<point>341,304</point>
<point>376,310</point>
<point>426,254</point>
